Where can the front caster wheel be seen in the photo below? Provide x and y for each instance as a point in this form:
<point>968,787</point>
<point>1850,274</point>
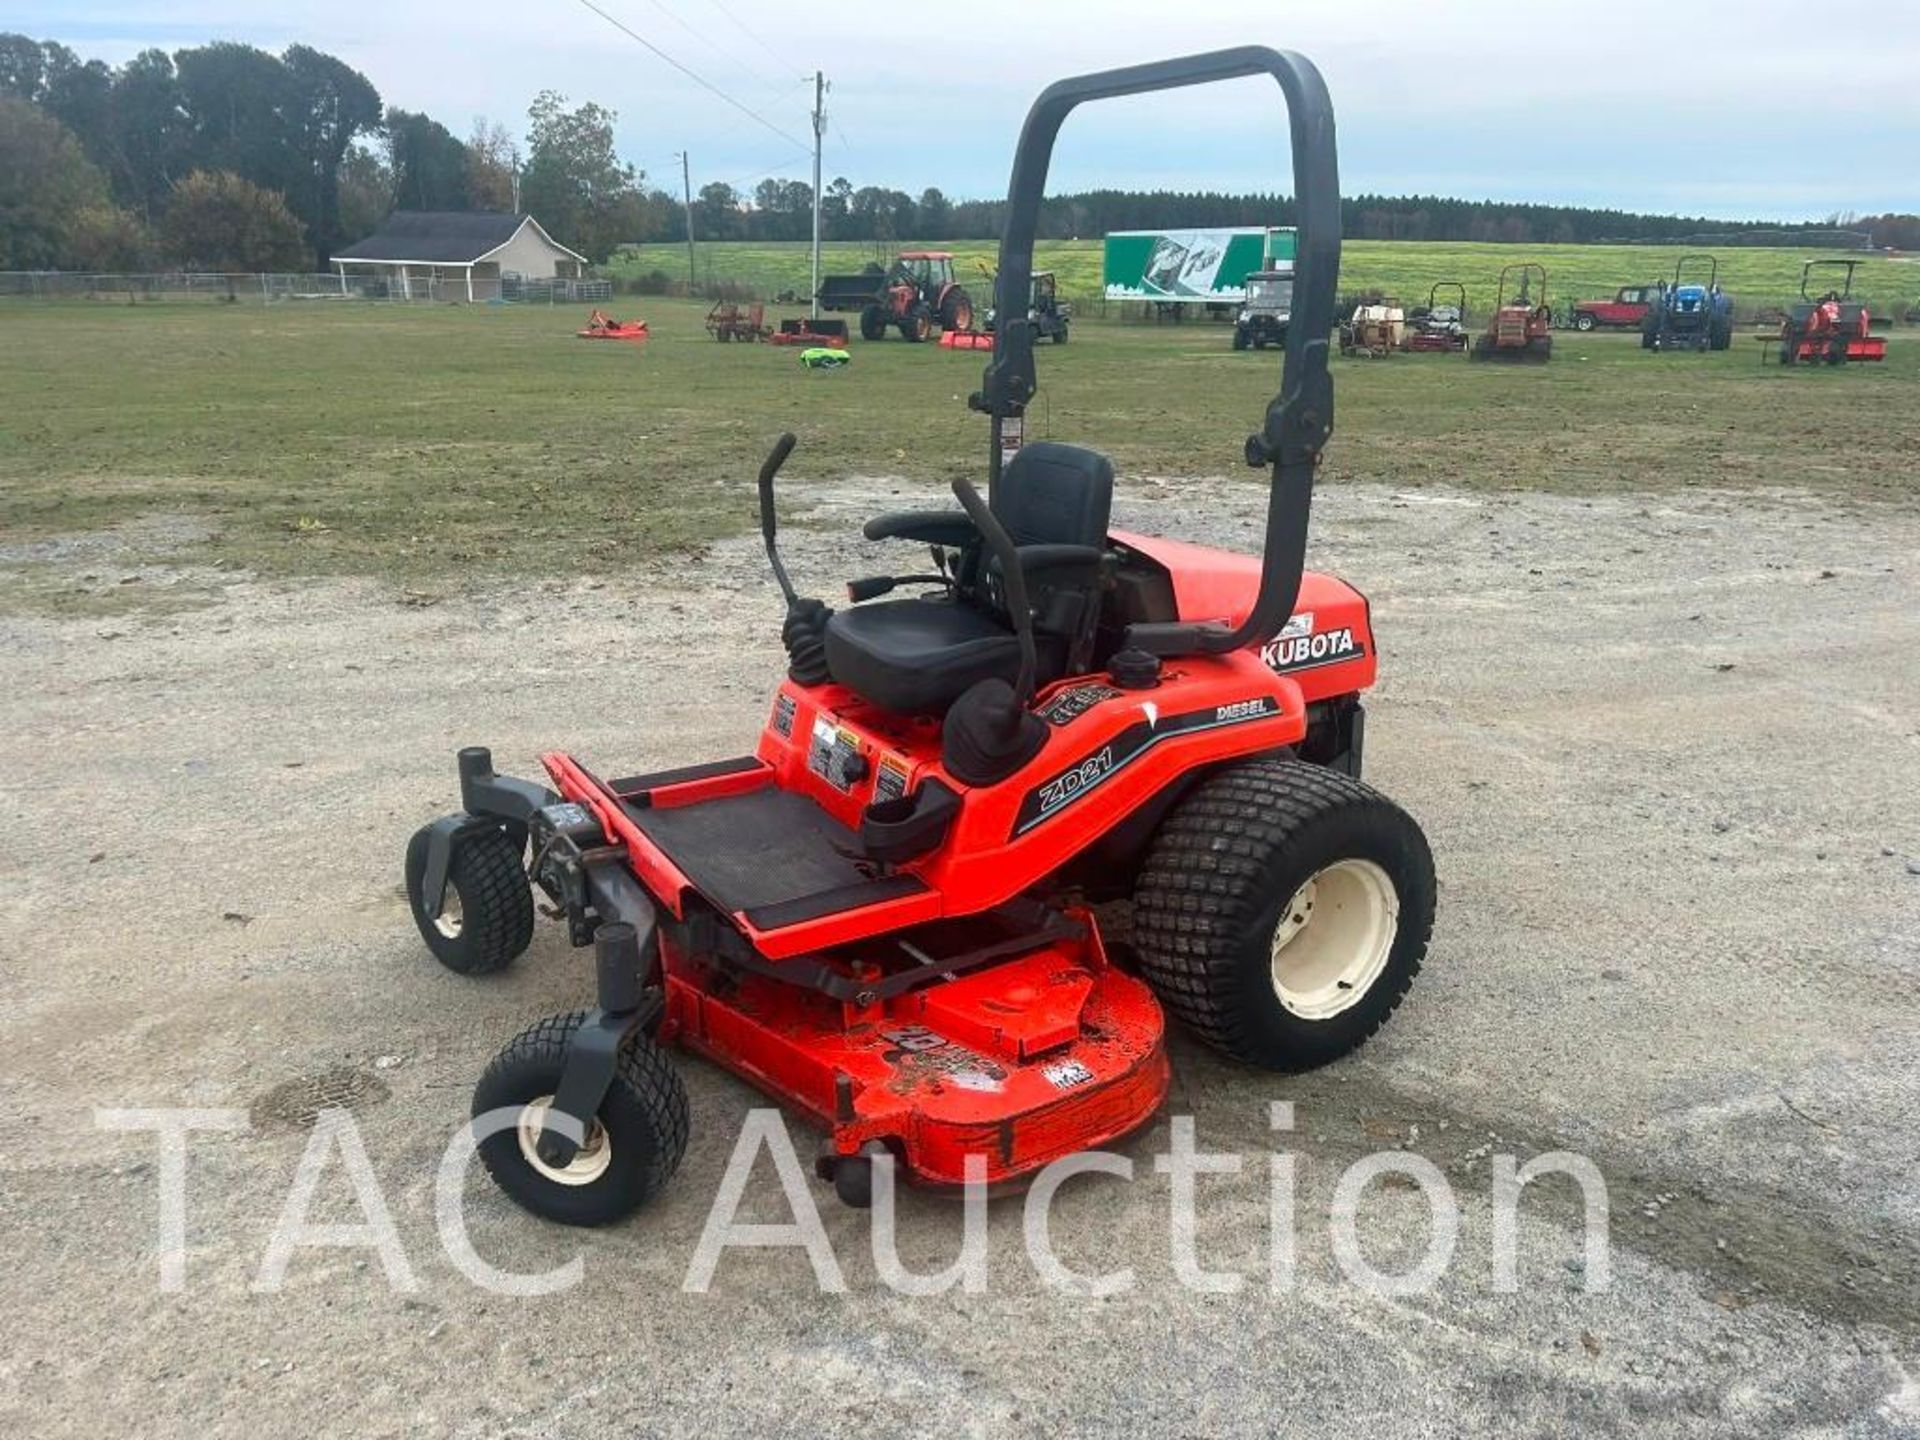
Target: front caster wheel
<point>631,1149</point>
<point>486,915</point>
<point>852,1175</point>
<point>1283,912</point>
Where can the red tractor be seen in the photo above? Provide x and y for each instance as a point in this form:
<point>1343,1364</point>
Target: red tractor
<point>1522,327</point>
<point>1834,327</point>
<point>882,915</point>
<point>917,294</point>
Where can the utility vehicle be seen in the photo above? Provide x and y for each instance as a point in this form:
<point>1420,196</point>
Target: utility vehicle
<point>884,915</point>
<point>1627,310</point>
<point>1266,312</point>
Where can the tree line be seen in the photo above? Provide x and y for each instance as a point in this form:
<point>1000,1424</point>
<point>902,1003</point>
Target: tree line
<point>224,156</point>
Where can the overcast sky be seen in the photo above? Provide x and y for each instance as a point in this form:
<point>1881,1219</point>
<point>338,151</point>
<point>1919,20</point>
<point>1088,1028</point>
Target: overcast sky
<point>1732,108</point>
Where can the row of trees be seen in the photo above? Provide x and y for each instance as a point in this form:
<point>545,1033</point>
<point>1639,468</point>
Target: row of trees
<point>300,156</point>
<point>297,151</point>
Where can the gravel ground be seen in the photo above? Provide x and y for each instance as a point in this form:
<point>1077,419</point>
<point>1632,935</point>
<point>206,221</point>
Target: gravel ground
<point>1665,748</point>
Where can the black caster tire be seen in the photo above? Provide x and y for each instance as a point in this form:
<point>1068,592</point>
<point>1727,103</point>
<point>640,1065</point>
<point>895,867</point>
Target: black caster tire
<point>1283,912</point>
<point>486,918</point>
<point>636,1141</point>
<point>852,1175</point>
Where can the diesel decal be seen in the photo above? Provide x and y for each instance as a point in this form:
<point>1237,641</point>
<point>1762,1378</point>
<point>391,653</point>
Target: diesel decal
<point>783,708</point>
<point>1056,793</point>
<point>1300,647</point>
<point>1069,705</point>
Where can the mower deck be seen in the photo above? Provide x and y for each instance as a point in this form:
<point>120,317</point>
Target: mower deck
<point>1031,1048</point>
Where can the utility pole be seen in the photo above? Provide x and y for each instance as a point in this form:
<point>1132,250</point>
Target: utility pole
<point>819,129</point>
<point>686,189</point>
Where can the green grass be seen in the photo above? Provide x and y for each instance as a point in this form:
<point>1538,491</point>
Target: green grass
<point>419,444</point>
<point>1406,269</point>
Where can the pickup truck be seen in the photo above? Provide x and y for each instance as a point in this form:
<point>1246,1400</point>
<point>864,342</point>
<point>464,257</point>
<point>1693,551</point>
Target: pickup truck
<point>1626,309</point>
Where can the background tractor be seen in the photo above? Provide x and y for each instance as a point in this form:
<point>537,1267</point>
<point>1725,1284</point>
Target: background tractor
<point>1521,328</point>
<point>918,294</point>
<point>1834,327</point>
<point>1689,315</point>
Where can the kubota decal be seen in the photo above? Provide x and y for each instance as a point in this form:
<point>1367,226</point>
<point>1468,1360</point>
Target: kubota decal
<point>1057,792</point>
<point>1299,646</point>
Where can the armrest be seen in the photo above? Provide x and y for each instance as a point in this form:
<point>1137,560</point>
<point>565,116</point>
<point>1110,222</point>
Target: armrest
<point>934,527</point>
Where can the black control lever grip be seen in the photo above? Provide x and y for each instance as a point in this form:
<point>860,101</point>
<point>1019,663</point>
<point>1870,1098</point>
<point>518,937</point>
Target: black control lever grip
<point>770,467</point>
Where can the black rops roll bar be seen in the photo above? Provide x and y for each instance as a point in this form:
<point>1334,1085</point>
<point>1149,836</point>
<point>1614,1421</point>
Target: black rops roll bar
<point>1300,418</point>
<point>1806,274</point>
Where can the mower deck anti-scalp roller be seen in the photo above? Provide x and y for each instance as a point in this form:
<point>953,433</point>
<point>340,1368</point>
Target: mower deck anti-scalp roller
<point>883,915</point>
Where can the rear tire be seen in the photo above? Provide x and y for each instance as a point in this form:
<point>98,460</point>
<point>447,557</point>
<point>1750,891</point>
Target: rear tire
<point>1283,912</point>
<point>873,323</point>
<point>956,310</point>
<point>1583,321</point>
<point>1240,337</point>
<point>486,919</point>
<point>635,1144</point>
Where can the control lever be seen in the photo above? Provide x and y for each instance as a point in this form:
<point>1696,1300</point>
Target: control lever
<point>804,631</point>
<point>770,467</point>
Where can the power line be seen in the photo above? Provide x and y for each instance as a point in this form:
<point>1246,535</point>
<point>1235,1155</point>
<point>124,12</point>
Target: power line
<point>766,171</point>
<point>741,26</point>
<point>772,87</point>
<point>699,80</point>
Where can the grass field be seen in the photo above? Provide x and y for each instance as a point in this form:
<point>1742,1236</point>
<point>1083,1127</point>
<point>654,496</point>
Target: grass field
<point>418,444</point>
<point>1755,277</point>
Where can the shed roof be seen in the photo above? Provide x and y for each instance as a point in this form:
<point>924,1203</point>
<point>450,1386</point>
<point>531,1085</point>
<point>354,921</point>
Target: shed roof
<point>444,237</point>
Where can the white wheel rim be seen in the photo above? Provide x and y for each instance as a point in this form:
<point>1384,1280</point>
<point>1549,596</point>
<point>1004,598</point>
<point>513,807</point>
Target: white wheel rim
<point>1333,939</point>
<point>589,1163</point>
<point>448,921</point>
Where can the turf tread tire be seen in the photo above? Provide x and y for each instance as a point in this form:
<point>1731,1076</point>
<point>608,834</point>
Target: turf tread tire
<point>496,902</point>
<point>645,1112</point>
<point>1210,892</point>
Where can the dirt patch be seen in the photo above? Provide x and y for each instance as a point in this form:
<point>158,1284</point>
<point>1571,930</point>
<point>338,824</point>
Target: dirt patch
<point>295,1104</point>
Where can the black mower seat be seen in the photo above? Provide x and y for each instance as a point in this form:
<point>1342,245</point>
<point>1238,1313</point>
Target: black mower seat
<point>917,656</point>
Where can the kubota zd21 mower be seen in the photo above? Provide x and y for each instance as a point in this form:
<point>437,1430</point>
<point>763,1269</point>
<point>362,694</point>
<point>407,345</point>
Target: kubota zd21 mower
<point>882,915</point>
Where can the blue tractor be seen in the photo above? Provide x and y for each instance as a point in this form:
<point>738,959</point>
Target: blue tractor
<point>1689,314</point>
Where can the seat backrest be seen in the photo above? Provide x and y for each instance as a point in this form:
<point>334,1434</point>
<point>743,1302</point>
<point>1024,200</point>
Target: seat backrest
<point>1055,494</point>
